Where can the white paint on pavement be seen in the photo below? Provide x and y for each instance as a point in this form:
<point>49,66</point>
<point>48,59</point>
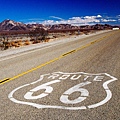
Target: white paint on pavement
<point>77,88</point>
<point>48,89</point>
<point>60,78</point>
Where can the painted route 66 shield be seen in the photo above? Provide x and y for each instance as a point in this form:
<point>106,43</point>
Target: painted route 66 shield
<point>72,91</point>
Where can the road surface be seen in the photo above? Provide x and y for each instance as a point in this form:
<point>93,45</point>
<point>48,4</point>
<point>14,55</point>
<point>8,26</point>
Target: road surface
<point>72,80</point>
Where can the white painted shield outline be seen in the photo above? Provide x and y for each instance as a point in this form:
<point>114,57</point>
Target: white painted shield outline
<point>39,106</point>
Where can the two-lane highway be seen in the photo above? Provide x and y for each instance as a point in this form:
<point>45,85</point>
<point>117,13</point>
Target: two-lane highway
<point>73,80</point>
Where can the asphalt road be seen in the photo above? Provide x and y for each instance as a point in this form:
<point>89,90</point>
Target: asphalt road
<point>72,80</point>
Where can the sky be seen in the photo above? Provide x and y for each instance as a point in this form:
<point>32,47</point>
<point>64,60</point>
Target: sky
<point>76,12</point>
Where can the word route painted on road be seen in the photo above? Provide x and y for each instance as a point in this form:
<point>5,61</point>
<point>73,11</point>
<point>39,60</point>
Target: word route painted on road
<point>72,91</point>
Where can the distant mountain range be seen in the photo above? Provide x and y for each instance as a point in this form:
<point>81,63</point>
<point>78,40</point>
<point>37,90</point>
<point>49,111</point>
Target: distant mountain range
<point>9,25</point>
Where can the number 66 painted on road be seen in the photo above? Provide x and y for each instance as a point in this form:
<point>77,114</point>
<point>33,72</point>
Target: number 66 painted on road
<point>64,97</point>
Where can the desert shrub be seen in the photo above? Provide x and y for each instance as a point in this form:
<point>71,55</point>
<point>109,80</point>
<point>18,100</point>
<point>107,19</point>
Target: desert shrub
<point>27,42</point>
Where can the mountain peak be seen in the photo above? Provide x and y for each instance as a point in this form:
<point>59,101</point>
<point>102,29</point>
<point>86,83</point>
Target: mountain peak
<point>6,20</point>
<point>12,25</point>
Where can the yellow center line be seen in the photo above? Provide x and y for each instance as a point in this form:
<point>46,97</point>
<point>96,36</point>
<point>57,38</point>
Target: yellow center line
<point>53,60</point>
<point>31,70</point>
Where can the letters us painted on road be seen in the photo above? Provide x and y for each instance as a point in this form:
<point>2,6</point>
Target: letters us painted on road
<point>72,91</point>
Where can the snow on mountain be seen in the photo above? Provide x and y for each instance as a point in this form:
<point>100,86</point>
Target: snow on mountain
<point>12,25</point>
<point>8,25</point>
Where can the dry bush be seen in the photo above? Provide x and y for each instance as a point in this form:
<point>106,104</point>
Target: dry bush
<point>20,43</point>
<point>47,40</point>
<point>8,45</point>
<point>14,44</point>
<point>27,42</point>
<point>36,41</point>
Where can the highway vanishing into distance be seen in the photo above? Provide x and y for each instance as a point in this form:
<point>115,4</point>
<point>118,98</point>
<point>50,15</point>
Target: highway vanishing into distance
<point>72,80</point>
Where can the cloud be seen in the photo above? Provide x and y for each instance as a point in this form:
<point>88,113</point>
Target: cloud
<point>75,20</point>
<point>108,20</point>
<point>90,17</point>
<point>49,22</point>
<point>36,19</point>
<point>118,16</point>
<point>56,17</point>
<point>99,16</point>
<point>32,20</point>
